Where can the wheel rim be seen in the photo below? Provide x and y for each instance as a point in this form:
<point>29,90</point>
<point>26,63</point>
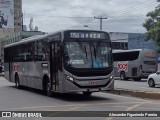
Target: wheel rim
<point>17,82</point>
<point>48,89</point>
<point>122,76</point>
<point>151,82</point>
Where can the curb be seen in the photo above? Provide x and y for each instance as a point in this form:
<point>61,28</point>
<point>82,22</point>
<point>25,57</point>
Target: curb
<point>136,93</point>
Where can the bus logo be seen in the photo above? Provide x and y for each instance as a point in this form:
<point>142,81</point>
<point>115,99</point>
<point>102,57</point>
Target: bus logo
<point>150,54</point>
<point>122,67</point>
<point>93,82</point>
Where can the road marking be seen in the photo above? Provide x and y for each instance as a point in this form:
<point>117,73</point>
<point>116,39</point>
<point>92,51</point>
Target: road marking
<point>72,105</point>
<point>110,118</point>
<point>120,106</point>
<point>133,107</point>
<point>34,107</point>
<point>130,108</point>
<point>74,108</point>
<point>156,109</point>
<point>130,97</point>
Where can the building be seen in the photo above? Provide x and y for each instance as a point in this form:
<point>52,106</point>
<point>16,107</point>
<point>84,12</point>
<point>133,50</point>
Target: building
<point>119,40</point>
<point>137,40</point>
<point>10,18</point>
<point>16,37</point>
<point>11,13</point>
<point>124,41</point>
<point>18,16</point>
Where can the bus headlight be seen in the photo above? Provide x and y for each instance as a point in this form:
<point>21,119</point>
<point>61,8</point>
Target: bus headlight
<point>69,78</point>
<point>111,77</point>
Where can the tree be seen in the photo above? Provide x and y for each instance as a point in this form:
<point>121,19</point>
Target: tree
<point>152,25</point>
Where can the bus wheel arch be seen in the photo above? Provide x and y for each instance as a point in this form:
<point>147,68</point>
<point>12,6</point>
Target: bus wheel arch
<point>17,82</point>
<point>47,86</point>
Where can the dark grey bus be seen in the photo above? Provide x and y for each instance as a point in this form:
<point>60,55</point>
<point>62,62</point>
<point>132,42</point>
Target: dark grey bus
<point>135,63</point>
<point>66,61</point>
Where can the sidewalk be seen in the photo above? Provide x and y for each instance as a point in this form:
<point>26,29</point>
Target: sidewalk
<point>136,89</point>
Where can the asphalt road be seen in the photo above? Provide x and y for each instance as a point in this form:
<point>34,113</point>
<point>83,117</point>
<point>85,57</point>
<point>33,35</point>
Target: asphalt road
<point>135,85</point>
<point>12,99</point>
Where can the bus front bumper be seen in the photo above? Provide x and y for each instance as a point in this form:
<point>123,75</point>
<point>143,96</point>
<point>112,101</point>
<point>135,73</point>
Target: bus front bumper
<point>78,87</point>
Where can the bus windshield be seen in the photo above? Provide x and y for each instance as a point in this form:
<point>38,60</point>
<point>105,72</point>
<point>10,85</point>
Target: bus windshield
<point>84,54</point>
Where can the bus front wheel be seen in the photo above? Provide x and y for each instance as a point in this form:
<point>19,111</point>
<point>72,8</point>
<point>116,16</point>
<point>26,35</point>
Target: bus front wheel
<point>87,93</point>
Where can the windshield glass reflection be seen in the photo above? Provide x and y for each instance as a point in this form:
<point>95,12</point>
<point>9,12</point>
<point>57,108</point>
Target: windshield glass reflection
<point>95,54</point>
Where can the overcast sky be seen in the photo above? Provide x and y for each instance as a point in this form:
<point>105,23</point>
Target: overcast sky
<point>122,15</point>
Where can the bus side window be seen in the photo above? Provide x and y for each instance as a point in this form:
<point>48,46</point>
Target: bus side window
<point>42,51</point>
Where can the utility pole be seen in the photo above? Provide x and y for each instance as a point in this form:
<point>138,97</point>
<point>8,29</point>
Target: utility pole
<point>100,18</point>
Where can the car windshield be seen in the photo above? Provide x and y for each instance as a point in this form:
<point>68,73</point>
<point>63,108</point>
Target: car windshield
<point>95,54</point>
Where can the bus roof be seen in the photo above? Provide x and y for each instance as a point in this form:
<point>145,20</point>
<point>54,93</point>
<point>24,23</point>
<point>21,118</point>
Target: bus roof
<point>29,39</point>
<point>39,37</point>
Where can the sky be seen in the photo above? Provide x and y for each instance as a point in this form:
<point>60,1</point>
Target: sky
<point>53,15</point>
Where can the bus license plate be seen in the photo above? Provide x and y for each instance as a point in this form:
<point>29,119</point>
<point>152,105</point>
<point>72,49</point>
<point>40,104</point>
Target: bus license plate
<point>94,90</point>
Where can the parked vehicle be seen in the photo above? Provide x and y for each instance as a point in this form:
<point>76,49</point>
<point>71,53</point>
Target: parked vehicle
<point>154,79</point>
<point>134,63</point>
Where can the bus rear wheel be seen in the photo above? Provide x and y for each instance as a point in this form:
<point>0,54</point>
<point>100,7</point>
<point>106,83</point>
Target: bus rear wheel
<point>122,76</point>
<point>48,89</point>
<point>87,93</point>
<point>17,83</point>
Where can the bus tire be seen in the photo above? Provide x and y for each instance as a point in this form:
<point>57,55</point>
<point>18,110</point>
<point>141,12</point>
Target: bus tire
<point>48,89</point>
<point>17,83</point>
<point>87,93</point>
<point>122,76</point>
<point>151,82</point>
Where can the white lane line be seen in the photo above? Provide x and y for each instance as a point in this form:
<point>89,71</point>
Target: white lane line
<point>74,105</point>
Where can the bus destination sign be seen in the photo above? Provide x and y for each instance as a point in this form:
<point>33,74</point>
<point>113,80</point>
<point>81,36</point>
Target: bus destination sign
<point>89,35</point>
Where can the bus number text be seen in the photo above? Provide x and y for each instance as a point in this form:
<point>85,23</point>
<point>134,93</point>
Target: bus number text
<point>122,67</point>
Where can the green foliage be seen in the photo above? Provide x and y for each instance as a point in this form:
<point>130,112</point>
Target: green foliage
<point>152,25</point>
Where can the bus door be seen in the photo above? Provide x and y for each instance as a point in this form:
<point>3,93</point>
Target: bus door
<point>10,68</point>
<point>54,65</point>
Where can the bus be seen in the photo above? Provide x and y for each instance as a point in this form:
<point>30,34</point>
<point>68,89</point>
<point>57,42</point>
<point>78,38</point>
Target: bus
<point>65,61</point>
<point>135,63</point>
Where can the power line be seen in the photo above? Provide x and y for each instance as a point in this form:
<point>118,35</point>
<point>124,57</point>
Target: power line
<point>84,22</point>
<point>115,14</point>
<point>129,10</point>
<point>41,16</point>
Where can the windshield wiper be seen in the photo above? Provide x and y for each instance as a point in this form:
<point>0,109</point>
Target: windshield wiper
<point>82,48</point>
<point>95,54</point>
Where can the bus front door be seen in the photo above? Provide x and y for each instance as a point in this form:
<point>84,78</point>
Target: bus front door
<point>54,65</point>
